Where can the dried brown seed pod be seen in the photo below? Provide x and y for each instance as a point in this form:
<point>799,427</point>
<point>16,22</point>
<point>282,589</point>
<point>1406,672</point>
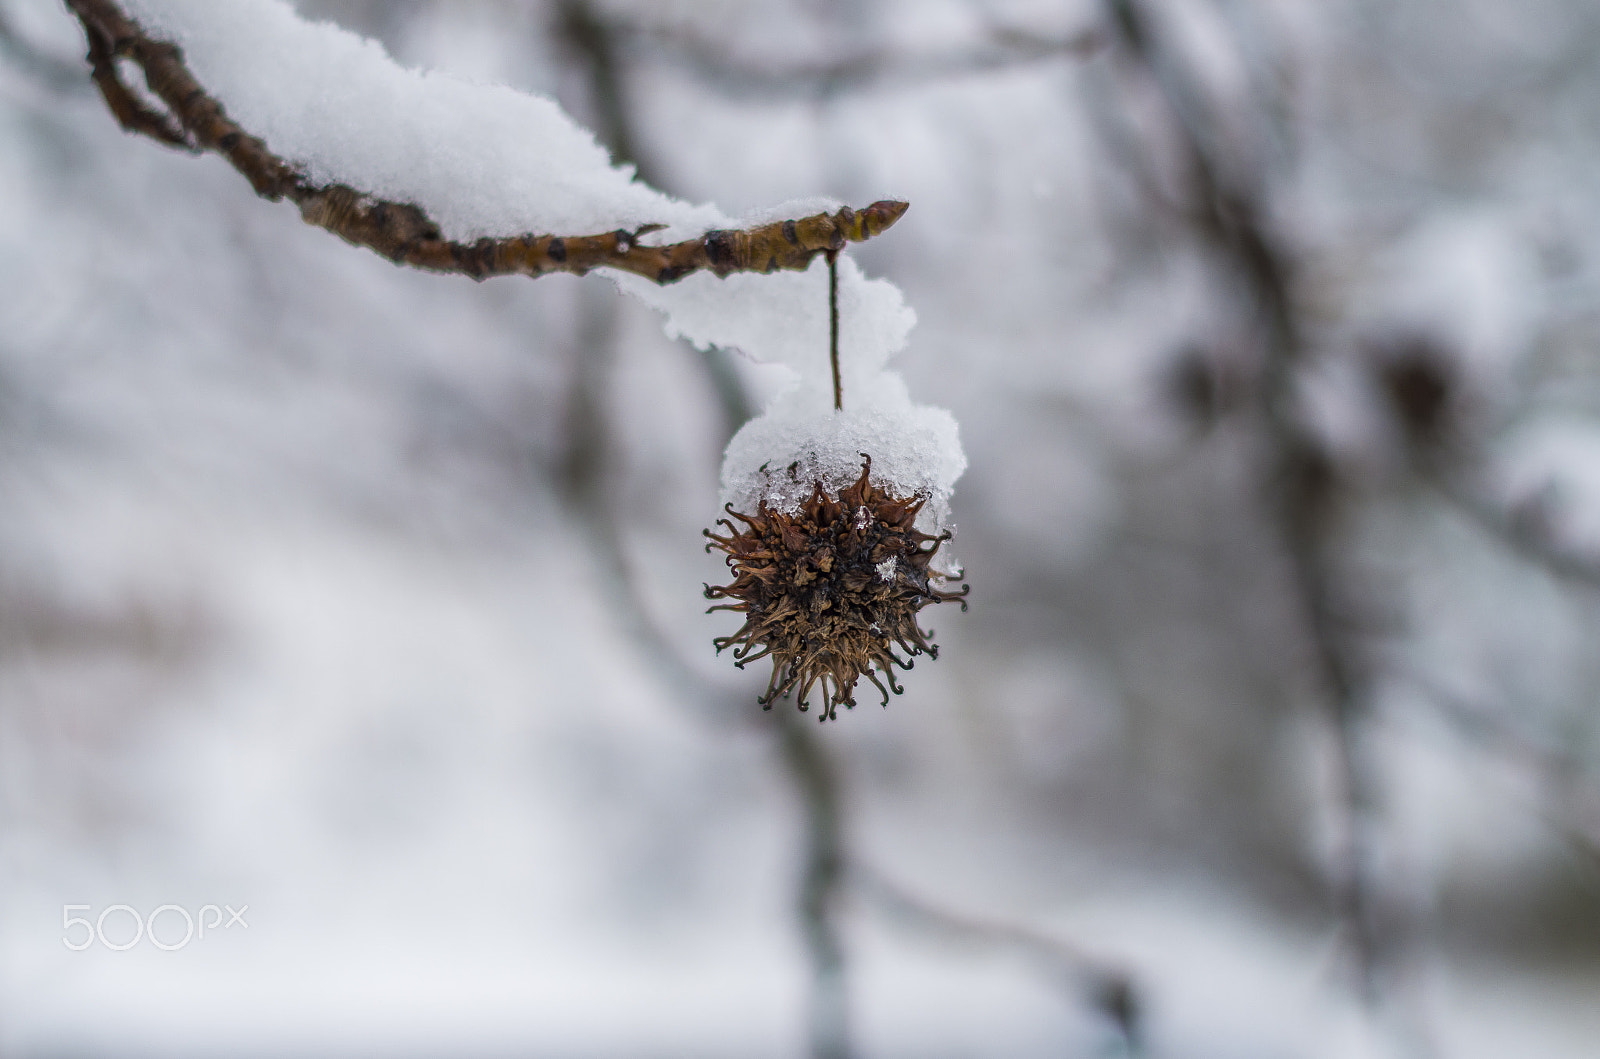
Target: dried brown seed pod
<point>829,591</point>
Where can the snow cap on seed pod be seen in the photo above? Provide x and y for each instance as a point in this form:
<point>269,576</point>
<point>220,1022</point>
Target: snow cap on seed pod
<point>837,523</point>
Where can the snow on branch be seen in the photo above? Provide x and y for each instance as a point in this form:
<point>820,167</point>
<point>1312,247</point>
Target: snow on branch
<point>403,232</point>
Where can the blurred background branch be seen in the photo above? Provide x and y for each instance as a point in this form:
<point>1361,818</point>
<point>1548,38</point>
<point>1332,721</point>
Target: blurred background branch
<point>997,50</point>
<point>1223,202</point>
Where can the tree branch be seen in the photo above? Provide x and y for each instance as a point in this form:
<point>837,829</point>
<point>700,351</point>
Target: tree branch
<point>403,232</point>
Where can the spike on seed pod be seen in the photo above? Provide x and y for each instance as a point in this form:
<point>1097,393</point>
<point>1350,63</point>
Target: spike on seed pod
<point>830,591</point>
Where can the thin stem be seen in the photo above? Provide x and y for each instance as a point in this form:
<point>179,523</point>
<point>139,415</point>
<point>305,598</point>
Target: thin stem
<point>833,326</point>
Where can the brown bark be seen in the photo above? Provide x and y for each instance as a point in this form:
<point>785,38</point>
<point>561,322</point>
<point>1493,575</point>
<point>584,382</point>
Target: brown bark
<point>402,231</point>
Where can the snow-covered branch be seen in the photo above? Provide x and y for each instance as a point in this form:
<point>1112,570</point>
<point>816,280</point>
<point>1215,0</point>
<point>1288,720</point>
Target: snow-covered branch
<point>403,231</point>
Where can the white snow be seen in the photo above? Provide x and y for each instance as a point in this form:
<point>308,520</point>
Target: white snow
<point>488,160</point>
<point>801,441</point>
<point>480,159</point>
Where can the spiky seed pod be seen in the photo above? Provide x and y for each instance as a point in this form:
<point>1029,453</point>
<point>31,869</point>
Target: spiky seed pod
<point>830,591</point>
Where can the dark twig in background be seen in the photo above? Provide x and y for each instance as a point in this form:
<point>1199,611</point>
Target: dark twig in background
<point>1525,531</point>
<point>1003,48</point>
<point>1226,209</point>
<point>1571,796</point>
<point>1420,377</point>
<point>1107,988</point>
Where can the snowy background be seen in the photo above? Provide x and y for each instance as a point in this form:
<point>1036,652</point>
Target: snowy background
<point>371,599</point>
